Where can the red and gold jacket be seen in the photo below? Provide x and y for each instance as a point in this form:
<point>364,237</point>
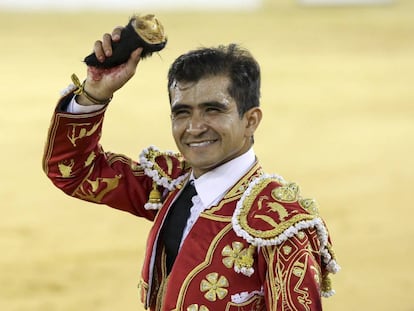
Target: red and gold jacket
<point>262,247</point>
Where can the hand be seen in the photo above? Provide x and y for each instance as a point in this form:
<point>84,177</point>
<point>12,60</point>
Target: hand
<point>102,83</point>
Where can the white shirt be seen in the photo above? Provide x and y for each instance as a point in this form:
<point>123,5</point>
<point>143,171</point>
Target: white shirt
<point>74,107</point>
<point>213,185</point>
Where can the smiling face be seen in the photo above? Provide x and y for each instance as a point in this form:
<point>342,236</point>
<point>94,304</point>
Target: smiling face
<point>206,124</point>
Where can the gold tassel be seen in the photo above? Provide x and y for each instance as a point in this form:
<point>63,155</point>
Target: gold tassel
<point>244,264</point>
<point>155,195</point>
<point>326,283</point>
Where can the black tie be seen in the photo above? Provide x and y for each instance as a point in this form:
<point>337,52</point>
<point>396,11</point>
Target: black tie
<point>175,223</point>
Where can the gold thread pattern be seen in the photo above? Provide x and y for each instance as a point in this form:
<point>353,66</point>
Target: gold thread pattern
<point>310,205</point>
<point>95,190</point>
<point>214,286</point>
<point>90,159</point>
<point>240,257</point>
<point>79,131</point>
<point>232,253</point>
<point>202,266</point>
<point>286,194</point>
<point>277,226</point>
<point>66,169</point>
<point>290,270</point>
<point>195,307</point>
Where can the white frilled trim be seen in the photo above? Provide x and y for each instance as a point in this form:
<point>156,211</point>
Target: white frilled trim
<point>148,166</point>
<point>245,296</point>
<point>69,89</point>
<point>245,271</point>
<point>328,293</point>
<point>317,223</point>
<point>152,206</point>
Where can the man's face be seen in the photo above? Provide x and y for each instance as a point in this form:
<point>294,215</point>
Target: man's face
<point>206,124</point>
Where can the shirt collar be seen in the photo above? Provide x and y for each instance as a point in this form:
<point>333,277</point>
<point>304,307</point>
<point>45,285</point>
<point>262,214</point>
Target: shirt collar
<point>212,185</point>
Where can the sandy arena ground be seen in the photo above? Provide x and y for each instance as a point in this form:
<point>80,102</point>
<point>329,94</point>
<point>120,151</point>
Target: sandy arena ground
<point>338,119</point>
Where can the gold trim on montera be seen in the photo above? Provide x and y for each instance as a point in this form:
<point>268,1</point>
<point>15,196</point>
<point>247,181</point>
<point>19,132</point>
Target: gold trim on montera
<point>149,28</point>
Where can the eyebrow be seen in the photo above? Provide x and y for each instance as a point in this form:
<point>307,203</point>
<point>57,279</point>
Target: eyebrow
<point>214,104</point>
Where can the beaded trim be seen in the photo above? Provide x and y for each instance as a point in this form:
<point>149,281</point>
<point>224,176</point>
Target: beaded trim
<point>151,168</point>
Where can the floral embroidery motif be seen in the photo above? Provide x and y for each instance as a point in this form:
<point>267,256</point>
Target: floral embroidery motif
<point>195,307</point>
<point>239,257</point>
<point>232,253</point>
<point>287,193</point>
<point>214,286</point>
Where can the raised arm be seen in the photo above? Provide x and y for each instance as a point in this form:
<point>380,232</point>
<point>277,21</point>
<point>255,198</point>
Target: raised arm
<point>73,158</point>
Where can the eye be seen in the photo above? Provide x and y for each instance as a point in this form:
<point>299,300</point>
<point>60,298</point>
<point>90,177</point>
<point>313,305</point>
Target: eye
<point>213,109</point>
<point>180,114</point>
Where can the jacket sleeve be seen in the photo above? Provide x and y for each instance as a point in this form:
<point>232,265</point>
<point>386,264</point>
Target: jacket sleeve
<point>293,278</point>
<point>75,162</point>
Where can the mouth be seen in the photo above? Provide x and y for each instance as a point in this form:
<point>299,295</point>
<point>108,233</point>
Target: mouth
<point>199,144</point>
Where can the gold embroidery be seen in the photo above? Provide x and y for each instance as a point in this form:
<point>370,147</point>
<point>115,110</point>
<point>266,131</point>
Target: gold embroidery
<point>246,260</point>
<point>94,195</point>
<point>195,307</point>
<point>199,268</point>
<point>298,269</point>
<point>316,274</point>
<point>267,219</point>
<point>300,235</point>
<point>232,253</point>
<point>234,193</point>
<point>169,162</point>
<point>239,257</point>
<point>276,228</point>
<point>286,194</point>
<point>326,283</point>
<point>66,169</point>
<point>83,132</point>
<point>279,209</point>
<point>90,159</point>
<point>309,205</point>
<point>243,184</point>
<point>287,250</point>
<point>214,286</point>
<point>153,167</point>
<point>260,201</point>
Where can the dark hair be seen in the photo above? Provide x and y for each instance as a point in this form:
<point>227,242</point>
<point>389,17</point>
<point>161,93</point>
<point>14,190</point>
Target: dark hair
<point>231,60</point>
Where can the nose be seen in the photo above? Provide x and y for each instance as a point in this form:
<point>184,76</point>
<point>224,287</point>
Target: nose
<point>196,125</point>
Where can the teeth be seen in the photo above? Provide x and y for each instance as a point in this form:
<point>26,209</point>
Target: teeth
<point>200,144</point>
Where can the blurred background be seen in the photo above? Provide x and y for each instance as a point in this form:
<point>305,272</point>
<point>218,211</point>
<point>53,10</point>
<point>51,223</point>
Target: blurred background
<point>338,120</point>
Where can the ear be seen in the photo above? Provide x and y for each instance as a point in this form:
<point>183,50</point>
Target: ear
<point>253,118</point>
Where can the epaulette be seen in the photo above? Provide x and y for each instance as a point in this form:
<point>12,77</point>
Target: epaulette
<point>167,169</point>
<point>271,211</point>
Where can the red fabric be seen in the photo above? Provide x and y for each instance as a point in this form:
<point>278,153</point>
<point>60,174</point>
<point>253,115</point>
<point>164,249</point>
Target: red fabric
<point>286,276</point>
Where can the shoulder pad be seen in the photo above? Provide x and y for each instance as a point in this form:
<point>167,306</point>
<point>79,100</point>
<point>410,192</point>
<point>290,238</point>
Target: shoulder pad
<point>271,210</point>
<point>167,169</point>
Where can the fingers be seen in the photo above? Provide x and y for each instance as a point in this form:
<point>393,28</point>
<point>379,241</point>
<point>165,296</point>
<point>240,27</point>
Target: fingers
<point>135,56</point>
<point>116,33</point>
<point>133,61</point>
<point>103,49</point>
<point>107,44</point>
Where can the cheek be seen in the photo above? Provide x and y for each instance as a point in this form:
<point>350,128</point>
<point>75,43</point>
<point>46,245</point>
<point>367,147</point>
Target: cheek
<point>177,129</point>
